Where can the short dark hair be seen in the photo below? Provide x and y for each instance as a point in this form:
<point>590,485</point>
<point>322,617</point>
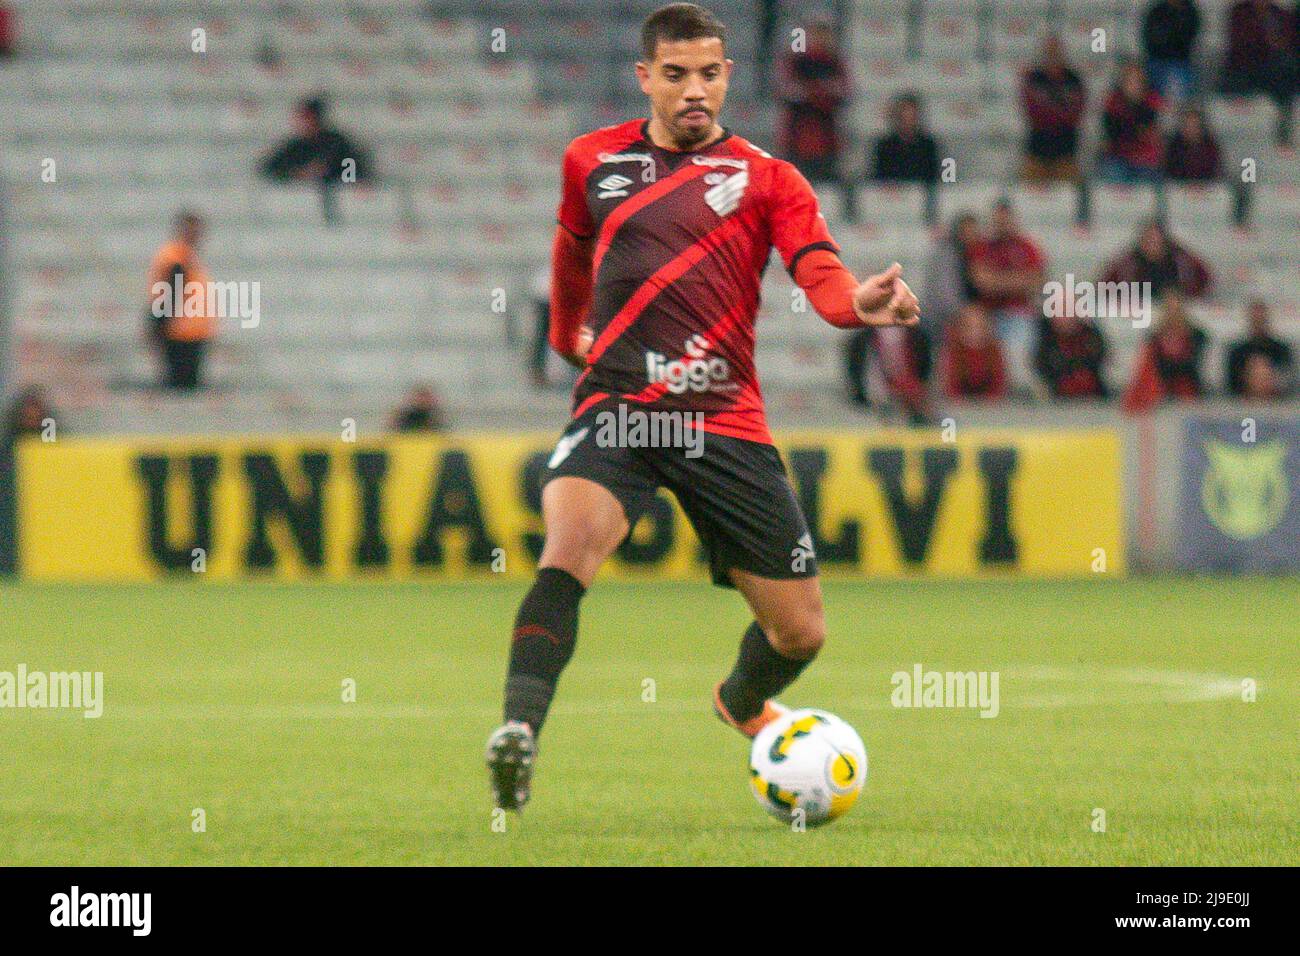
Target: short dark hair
<point>315,105</point>
<point>679,21</point>
<point>186,217</point>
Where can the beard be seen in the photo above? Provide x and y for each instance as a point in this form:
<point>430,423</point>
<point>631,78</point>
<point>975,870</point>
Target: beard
<point>688,137</point>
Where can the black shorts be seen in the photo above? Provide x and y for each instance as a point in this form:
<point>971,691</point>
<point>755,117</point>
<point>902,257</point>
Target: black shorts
<point>735,492</point>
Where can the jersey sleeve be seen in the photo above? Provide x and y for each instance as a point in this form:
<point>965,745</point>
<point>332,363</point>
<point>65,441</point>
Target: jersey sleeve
<point>830,287</point>
<point>570,290</point>
<point>797,225</point>
<point>573,214</point>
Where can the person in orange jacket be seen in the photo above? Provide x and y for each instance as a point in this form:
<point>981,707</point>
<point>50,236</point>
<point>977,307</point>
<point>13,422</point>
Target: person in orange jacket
<point>180,319</point>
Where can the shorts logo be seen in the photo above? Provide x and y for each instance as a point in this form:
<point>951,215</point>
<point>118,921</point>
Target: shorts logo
<point>613,186</point>
<point>802,554</point>
<point>565,447</point>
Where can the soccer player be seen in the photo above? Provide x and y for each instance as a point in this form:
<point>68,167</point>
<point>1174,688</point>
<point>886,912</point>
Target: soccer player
<point>665,228</point>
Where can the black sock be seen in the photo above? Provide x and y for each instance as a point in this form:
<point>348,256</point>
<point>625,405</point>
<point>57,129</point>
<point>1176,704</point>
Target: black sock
<point>760,672</point>
<point>546,630</point>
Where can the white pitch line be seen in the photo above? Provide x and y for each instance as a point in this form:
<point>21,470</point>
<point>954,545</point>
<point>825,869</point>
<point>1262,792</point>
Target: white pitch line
<point>1092,687</point>
<point>1173,687</point>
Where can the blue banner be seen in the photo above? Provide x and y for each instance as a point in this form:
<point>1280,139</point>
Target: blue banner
<point>1239,505</point>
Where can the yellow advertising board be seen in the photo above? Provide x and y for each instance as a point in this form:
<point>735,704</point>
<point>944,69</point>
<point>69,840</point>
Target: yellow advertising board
<point>885,503</point>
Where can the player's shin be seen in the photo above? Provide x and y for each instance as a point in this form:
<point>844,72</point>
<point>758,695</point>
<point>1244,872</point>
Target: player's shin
<point>761,672</point>
<point>546,630</point>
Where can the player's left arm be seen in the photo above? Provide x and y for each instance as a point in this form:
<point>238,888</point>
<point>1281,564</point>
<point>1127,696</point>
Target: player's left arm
<point>843,301</point>
<point>804,242</point>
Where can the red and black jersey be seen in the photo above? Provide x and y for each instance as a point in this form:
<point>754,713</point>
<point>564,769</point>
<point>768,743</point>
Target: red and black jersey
<point>681,240</point>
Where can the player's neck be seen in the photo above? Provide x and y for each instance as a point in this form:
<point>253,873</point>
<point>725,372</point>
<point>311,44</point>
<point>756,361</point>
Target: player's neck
<point>659,137</point>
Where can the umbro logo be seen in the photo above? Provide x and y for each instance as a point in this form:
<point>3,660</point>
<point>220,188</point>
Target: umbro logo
<point>613,186</point>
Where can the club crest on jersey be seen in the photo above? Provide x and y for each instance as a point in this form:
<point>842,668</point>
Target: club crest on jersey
<point>613,186</point>
<point>725,196</point>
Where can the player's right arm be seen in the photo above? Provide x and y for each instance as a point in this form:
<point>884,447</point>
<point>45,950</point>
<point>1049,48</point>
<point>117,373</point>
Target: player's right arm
<point>570,296</point>
<point>571,261</point>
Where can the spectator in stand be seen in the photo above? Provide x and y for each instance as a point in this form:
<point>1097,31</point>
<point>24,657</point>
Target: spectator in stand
<point>420,411</point>
<point>8,31</point>
<point>1260,381</point>
<point>904,360</point>
<point>947,281</point>
<point>1259,343</point>
<point>973,365</point>
<point>1157,258</point>
<point>905,366</point>
<point>1169,35</point>
<point>907,153</point>
<point>1131,147</point>
<point>769,14</point>
<point>1192,154</point>
<point>318,153</point>
<point>539,295</point>
<point>180,323</point>
<point>1169,364</point>
<point>1261,57</point>
<point>26,417</point>
<point>1070,356</point>
<point>1053,98</point>
<point>1007,268</point>
<point>813,87</point>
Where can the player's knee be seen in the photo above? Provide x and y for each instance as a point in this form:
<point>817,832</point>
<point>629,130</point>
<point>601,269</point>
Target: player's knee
<point>800,638</point>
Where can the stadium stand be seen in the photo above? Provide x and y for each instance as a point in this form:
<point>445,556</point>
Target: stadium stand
<point>467,105</point>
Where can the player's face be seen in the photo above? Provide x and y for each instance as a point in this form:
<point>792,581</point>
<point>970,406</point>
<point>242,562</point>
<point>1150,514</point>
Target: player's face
<point>1004,222</point>
<point>686,83</point>
<point>192,232</point>
<point>1258,318</point>
<point>1152,243</point>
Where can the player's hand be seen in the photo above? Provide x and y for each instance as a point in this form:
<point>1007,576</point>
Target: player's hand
<point>579,357</point>
<point>885,299</point>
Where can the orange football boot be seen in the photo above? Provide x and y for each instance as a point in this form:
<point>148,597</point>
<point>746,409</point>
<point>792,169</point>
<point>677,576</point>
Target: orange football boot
<point>750,728</point>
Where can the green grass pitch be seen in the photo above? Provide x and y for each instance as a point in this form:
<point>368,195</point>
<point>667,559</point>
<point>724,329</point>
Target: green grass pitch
<point>1120,695</point>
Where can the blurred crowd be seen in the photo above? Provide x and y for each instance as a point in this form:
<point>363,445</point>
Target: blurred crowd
<point>1153,125</point>
<point>986,334</point>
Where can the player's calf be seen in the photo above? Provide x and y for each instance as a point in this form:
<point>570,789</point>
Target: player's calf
<point>762,671</point>
<point>545,634</point>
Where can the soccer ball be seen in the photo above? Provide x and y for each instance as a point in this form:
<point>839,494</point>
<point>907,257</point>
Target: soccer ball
<point>809,761</point>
